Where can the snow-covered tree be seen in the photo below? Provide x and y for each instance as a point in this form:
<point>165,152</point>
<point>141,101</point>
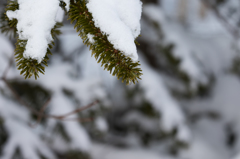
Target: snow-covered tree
<point>184,105</point>
<point>36,27</point>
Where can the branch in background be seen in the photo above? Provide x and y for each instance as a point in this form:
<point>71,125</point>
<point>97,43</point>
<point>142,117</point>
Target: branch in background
<point>231,29</point>
<point>60,117</point>
<point>8,67</point>
<point>64,117</point>
<point>41,114</point>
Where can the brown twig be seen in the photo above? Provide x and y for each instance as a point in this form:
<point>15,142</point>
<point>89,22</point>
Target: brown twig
<point>75,111</point>
<point>79,120</point>
<point>18,98</point>
<point>40,116</point>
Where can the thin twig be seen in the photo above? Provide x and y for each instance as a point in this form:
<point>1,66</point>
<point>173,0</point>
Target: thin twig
<point>40,116</point>
<point>79,119</point>
<point>19,98</point>
<point>75,111</point>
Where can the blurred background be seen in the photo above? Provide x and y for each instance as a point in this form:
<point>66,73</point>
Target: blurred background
<point>187,105</point>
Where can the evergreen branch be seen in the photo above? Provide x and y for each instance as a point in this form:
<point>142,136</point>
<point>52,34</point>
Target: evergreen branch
<point>7,26</point>
<point>112,59</point>
<point>63,6</point>
<point>29,67</point>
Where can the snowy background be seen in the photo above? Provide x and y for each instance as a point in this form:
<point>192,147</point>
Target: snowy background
<point>187,105</point>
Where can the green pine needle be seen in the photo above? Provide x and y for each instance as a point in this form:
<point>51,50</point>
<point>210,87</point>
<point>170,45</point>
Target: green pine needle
<point>7,26</point>
<point>112,59</point>
<point>28,67</point>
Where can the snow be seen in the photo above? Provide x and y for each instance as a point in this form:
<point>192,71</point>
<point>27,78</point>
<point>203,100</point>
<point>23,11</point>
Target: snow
<point>237,157</point>
<point>200,148</point>
<point>182,50</point>
<point>90,37</point>
<point>86,90</point>
<point>61,105</point>
<point>15,121</point>
<point>35,18</point>
<point>79,136</point>
<point>107,152</point>
<point>120,20</point>
<point>67,4</point>
<point>29,144</point>
<point>153,12</point>
<point>227,97</point>
<point>145,123</point>
<point>70,41</point>
<point>203,48</point>
<point>59,15</point>
<point>12,110</point>
<point>169,7</point>
<point>157,93</point>
<point>5,53</point>
<point>101,124</point>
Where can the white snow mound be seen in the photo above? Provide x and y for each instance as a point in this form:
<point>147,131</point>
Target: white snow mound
<point>35,18</point>
<point>120,20</point>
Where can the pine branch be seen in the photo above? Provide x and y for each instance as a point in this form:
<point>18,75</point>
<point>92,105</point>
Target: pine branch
<point>112,59</point>
<point>29,67</point>
<point>7,26</point>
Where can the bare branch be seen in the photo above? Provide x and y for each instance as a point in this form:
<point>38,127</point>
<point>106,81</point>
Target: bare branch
<point>19,98</point>
<point>41,113</point>
<point>79,119</point>
<point>75,111</point>
<point>40,116</point>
